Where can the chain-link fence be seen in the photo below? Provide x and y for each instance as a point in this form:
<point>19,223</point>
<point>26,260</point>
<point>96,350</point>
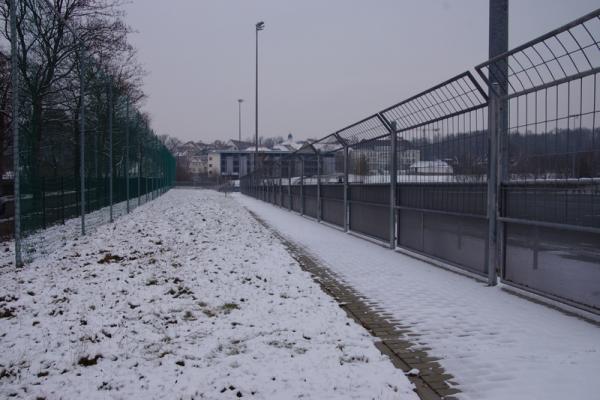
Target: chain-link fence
<point>83,153</point>
<point>506,184</point>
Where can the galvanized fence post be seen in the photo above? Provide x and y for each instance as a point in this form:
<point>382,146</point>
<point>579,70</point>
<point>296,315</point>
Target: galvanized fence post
<point>346,189</point>
<point>319,209</point>
<point>139,168</point>
<point>492,191</point>
<point>302,185</point>
<point>82,134</point>
<point>289,184</point>
<point>62,199</point>
<point>393,179</point>
<point>43,202</point>
<point>110,148</point>
<point>127,154</point>
<point>268,185</point>
<point>497,122</point>
<point>280,182</point>
<point>153,170</point>
<point>146,178</point>
<point>15,130</point>
<point>146,192</point>
<point>157,168</point>
<point>272,185</point>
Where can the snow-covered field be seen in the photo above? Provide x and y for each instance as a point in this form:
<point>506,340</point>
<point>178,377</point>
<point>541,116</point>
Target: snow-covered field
<point>44,242</point>
<point>186,297</point>
<point>496,345</point>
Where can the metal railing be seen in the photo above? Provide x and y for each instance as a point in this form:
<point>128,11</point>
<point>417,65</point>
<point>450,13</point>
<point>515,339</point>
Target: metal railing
<point>508,184</point>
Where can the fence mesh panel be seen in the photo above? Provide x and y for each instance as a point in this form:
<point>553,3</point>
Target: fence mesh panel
<point>537,218</point>
<point>552,97</point>
<point>82,142</point>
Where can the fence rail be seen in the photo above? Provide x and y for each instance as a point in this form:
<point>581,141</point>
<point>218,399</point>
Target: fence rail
<point>421,175</point>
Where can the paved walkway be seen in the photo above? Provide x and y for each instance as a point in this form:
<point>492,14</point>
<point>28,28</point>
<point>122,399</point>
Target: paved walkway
<point>429,378</point>
<point>496,345</point>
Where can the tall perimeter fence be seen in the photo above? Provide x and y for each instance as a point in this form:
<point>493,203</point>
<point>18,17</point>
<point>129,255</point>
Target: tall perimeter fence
<point>82,153</point>
<point>503,180</point>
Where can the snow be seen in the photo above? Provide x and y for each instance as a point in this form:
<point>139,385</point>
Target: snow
<point>379,179</point>
<point>186,297</point>
<point>413,372</point>
<point>43,242</point>
<point>496,345</point>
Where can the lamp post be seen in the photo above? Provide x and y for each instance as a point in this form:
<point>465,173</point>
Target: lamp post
<point>259,27</point>
<point>240,101</point>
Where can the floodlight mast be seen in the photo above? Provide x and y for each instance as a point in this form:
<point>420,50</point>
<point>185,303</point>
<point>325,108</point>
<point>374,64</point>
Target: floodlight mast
<point>240,101</point>
<point>259,27</point>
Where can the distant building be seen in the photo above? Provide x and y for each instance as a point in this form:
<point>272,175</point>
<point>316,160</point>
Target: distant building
<point>237,163</point>
<point>376,155</point>
<point>436,167</point>
<point>238,145</point>
<point>198,165</point>
<point>214,163</point>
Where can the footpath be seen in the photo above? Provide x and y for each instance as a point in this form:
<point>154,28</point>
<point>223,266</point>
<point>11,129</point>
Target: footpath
<point>483,342</point>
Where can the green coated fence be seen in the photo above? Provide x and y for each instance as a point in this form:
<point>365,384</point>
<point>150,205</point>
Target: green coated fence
<point>83,152</point>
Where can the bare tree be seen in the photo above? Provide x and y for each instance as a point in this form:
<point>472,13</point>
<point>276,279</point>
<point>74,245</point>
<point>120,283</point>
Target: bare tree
<point>170,142</point>
<point>50,61</point>
<point>5,114</point>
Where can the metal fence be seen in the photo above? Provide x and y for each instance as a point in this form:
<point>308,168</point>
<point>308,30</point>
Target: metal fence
<point>83,153</point>
<point>549,162</point>
<point>504,184</point>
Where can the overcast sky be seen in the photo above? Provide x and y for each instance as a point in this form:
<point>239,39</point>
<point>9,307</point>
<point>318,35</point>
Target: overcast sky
<point>323,63</point>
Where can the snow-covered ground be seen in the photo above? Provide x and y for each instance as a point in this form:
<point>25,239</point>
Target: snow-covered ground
<point>497,345</point>
<point>186,297</point>
<point>43,242</point>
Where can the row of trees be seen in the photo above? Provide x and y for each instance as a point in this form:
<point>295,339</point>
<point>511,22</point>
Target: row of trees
<point>50,62</point>
<point>556,154</point>
<point>573,153</point>
<point>565,153</point>
<point>74,56</point>
<point>5,114</point>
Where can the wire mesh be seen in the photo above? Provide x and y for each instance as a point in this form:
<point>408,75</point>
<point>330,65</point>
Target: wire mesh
<point>567,52</point>
<point>443,165</point>
<point>539,128</point>
<point>367,129</point>
<point>76,135</point>
<point>552,98</point>
<point>455,96</point>
<point>328,144</point>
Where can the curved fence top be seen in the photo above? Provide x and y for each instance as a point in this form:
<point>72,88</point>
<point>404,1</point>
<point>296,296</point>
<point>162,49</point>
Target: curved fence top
<point>366,129</point>
<point>566,53</point>
<point>328,144</point>
<point>457,95</point>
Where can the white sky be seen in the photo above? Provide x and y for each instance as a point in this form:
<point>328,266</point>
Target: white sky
<point>323,64</point>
